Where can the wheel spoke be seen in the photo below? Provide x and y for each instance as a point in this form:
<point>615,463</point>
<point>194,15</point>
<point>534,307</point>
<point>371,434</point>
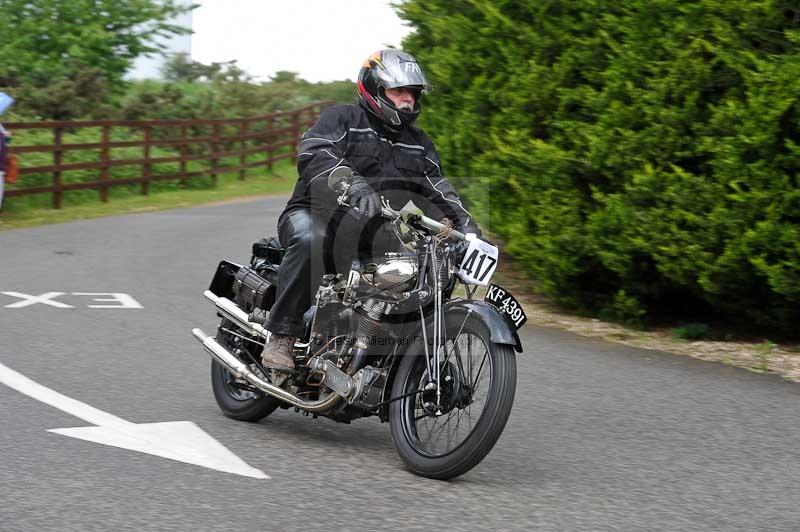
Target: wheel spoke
<point>458,421</point>
<point>459,363</point>
<point>430,432</point>
<point>480,368</point>
<point>469,356</point>
<point>446,422</point>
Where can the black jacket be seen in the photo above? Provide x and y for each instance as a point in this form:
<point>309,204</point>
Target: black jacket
<point>400,166</point>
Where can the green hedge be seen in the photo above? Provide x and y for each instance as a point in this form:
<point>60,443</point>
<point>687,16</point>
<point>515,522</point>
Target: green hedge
<point>639,157</point>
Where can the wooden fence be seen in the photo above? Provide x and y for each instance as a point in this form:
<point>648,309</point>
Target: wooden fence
<point>273,137</point>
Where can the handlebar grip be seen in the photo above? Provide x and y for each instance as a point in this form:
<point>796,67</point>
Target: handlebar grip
<point>428,223</point>
<point>433,225</point>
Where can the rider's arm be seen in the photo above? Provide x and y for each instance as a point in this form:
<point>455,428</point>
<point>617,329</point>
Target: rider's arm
<point>442,193</point>
<point>321,150</point>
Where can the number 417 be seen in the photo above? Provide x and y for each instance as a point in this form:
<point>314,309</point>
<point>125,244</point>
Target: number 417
<point>469,265</point>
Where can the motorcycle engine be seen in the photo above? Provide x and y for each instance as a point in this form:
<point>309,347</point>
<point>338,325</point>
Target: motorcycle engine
<point>394,272</point>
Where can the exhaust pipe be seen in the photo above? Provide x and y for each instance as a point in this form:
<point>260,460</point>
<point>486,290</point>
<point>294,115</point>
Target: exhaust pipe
<point>231,311</point>
<point>242,371</point>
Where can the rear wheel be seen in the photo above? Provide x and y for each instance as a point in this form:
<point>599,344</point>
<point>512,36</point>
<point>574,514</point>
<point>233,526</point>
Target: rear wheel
<point>445,435</point>
<point>236,398</point>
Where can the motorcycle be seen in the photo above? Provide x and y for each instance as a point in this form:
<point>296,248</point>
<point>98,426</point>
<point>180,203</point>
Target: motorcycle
<point>388,339</point>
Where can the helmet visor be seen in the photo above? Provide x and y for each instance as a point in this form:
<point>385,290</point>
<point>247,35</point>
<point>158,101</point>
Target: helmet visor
<point>401,70</point>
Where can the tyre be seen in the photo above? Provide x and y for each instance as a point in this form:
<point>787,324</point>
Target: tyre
<point>233,399</point>
<point>445,436</point>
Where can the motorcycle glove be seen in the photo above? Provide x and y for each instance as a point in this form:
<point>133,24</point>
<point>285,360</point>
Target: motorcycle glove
<point>364,201</point>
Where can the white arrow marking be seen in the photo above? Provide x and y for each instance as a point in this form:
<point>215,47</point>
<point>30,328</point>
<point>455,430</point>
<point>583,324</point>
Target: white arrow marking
<point>177,440</point>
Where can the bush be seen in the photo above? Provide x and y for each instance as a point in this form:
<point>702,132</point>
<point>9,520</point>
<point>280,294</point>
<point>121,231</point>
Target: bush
<point>649,148</point>
<point>691,331</point>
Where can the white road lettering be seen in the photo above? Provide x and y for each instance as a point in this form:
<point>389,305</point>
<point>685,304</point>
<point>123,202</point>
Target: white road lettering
<point>122,300</point>
<point>182,441</point>
<point>46,299</point>
<point>114,300</point>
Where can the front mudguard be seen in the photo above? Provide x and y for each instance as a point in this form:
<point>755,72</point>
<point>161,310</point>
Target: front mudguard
<point>499,329</point>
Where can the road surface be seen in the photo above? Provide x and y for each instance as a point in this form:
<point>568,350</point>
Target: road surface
<point>601,437</point>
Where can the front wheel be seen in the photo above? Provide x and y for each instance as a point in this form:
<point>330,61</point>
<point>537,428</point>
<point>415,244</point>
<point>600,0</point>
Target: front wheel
<point>443,435</point>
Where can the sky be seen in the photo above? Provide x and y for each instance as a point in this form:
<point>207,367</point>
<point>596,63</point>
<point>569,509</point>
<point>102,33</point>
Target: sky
<point>322,40</point>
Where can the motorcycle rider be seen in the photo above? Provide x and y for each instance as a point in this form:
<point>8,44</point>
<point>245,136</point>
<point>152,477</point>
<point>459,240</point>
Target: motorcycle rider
<point>388,157</point>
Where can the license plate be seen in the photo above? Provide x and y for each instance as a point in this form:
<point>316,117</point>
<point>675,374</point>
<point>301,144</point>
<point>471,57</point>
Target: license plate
<point>506,304</point>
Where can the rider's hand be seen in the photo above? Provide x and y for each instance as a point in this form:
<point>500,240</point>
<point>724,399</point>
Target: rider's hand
<point>364,201</point>
<point>447,230</point>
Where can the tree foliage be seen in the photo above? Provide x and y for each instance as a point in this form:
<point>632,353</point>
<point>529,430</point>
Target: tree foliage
<point>42,38</point>
<point>224,96</point>
<point>66,60</point>
<point>52,47</point>
<point>637,156</point>
<point>181,67</point>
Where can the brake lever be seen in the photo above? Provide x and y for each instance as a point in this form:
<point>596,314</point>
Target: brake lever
<point>386,209</point>
<point>388,212</point>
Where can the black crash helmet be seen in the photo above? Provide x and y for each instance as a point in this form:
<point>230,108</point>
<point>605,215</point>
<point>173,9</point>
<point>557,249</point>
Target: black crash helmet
<point>390,69</point>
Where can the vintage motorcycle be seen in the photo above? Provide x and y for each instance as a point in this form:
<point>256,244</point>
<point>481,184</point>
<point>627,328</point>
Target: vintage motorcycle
<point>388,339</point>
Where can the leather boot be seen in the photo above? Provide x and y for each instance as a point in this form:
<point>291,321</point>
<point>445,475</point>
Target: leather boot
<point>277,353</point>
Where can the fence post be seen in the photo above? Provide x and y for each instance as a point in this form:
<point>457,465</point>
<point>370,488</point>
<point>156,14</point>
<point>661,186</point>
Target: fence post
<point>57,153</point>
<point>295,131</point>
<point>214,161</point>
<point>182,149</point>
<point>243,155</point>
<point>148,135</point>
<point>105,157</point>
<point>269,143</point>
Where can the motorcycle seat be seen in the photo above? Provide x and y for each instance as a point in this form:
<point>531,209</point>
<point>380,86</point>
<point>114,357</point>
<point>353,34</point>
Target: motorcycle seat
<point>269,249</point>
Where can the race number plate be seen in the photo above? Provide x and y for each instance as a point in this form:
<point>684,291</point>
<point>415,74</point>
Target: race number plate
<point>506,304</point>
<point>480,262</point>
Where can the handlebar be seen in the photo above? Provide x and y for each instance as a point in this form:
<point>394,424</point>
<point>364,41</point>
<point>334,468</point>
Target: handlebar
<point>338,181</point>
<point>428,223</point>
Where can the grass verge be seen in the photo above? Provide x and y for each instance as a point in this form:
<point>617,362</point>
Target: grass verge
<point>280,181</point>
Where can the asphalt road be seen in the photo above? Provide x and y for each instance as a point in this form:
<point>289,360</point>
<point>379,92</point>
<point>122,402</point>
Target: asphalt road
<point>601,437</point>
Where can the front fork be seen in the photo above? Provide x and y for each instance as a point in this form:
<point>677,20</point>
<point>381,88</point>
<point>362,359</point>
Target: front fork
<point>439,340</point>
